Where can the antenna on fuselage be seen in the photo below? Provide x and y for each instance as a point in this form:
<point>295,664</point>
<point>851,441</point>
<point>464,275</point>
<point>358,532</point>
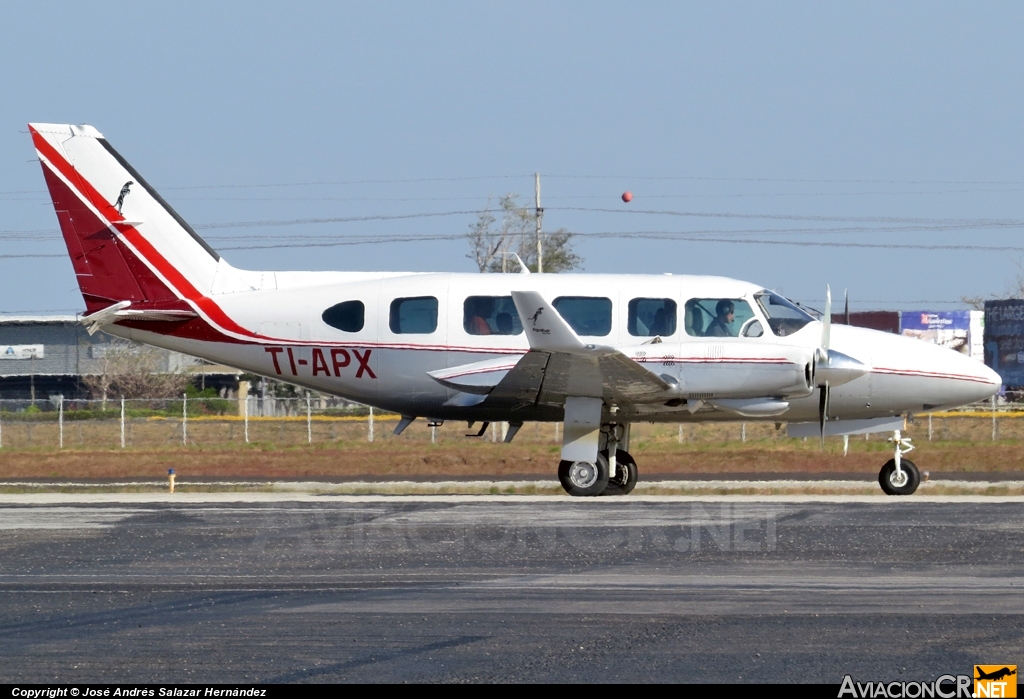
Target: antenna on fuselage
<point>523,269</point>
<point>538,216</point>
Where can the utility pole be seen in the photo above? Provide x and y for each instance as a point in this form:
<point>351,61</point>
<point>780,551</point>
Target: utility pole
<point>539,215</point>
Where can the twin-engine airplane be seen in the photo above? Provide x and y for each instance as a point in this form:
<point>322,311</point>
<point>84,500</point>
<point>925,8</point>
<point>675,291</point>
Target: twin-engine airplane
<point>598,352</point>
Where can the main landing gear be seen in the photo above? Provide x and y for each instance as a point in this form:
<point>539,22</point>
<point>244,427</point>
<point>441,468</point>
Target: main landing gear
<point>606,476</point>
<point>583,478</point>
<point>899,476</point>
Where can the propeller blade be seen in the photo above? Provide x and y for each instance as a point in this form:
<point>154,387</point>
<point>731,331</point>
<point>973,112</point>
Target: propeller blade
<point>823,410</point>
<point>846,313</point>
<point>826,321</point>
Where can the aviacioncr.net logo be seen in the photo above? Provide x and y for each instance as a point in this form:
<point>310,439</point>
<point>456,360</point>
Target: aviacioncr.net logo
<point>995,681</point>
<point>945,687</point>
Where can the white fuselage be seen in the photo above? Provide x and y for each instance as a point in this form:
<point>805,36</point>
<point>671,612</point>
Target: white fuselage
<point>288,339</point>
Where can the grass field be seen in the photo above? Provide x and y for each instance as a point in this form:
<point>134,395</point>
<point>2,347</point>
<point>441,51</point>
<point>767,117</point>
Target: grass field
<point>279,449</point>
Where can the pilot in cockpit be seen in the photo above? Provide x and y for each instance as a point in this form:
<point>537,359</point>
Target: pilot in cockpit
<point>719,327</point>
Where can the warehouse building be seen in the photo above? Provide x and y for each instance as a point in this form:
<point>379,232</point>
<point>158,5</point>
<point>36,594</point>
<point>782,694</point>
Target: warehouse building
<point>43,356</point>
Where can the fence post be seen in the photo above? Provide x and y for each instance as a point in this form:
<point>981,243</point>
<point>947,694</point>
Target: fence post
<point>680,438</point>
<point>245,418</point>
<point>184,419</point>
<point>929,427</point>
<point>60,420</point>
<point>743,432</point>
<point>122,422</point>
<point>1,426</point>
<point>369,426</point>
<point>309,421</point>
<point>995,423</point>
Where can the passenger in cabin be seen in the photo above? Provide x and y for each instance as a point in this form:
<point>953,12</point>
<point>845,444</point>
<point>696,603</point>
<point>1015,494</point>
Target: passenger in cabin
<point>482,310</point>
<point>719,327</point>
<point>504,323</point>
<point>658,326</point>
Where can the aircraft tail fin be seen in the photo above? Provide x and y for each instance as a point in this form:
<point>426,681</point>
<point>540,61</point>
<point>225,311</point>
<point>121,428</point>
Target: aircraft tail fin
<point>126,243</point>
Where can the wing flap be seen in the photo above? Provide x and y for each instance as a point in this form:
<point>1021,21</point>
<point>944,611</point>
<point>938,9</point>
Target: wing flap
<point>521,386</point>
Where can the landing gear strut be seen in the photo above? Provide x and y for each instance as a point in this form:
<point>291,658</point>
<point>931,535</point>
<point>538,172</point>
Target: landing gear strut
<point>899,476</point>
<point>626,474</point>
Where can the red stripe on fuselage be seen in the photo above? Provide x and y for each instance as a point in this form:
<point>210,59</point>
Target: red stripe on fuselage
<point>914,373</point>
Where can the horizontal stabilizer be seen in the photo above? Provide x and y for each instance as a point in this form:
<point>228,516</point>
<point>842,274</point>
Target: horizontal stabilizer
<point>478,377</point>
<point>123,311</point>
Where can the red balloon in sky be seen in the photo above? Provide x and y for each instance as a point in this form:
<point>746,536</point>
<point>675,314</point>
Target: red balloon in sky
<point>627,197</point>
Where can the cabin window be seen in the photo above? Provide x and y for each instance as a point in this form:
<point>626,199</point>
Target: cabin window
<point>491,315</point>
<point>347,316</point>
<point>721,318</point>
<point>652,317</point>
<point>587,315</point>
<point>413,316</point>
<point>784,316</point>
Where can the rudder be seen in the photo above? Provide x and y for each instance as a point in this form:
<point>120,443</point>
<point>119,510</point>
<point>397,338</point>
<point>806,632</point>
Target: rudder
<point>133,247</point>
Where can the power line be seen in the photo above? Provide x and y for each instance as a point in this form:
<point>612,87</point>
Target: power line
<point>467,178</point>
<point>343,219</point>
<point>49,235</point>
<point>648,235</point>
<point>773,179</point>
<point>686,237</point>
<point>792,217</point>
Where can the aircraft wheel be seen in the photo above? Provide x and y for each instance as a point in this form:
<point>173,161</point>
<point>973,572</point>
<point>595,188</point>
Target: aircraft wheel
<point>892,484</point>
<point>626,474</point>
<point>584,478</point>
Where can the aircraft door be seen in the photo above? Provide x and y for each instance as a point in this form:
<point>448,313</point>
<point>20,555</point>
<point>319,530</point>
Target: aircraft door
<point>412,324</point>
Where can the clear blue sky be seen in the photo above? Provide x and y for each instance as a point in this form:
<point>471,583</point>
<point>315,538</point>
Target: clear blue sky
<point>824,124</point>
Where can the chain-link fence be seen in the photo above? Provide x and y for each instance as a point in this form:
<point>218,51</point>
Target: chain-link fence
<point>211,421</point>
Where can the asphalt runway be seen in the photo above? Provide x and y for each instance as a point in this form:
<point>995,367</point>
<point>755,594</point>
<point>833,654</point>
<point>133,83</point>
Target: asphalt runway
<point>279,588</point>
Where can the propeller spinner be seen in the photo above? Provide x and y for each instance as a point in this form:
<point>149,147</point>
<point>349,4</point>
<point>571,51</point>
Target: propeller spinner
<point>831,368</point>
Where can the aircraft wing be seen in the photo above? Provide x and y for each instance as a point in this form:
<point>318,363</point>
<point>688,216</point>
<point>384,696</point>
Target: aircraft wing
<point>575,368</point>
<point>558,365</point>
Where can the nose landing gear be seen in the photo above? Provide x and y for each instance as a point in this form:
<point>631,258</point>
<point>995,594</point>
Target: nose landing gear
<point>899,476</point>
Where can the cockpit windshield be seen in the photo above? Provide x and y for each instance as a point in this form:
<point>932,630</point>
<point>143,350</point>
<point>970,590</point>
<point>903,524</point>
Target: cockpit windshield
<point>784,316</point>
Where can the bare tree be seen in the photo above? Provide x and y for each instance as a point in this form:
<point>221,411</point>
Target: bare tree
<point>1014,290</point>
<point>516,233</point>
<point>133,371</point>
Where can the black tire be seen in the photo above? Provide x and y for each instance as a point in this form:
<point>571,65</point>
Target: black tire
<point>888,473</point>
<point>583,478</point>
<point>625,477</point>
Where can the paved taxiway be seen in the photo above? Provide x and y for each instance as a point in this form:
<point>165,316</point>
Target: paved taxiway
<point>278,588</point>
